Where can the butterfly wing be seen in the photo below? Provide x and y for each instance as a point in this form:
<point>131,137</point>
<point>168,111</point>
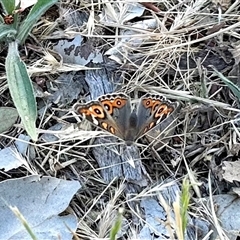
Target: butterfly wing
<point>152,110</point>
<point>110,112</point>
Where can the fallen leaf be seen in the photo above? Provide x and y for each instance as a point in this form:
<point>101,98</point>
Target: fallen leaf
<point>8,116</point>
<point>231,171</point>
<point>40,201</point>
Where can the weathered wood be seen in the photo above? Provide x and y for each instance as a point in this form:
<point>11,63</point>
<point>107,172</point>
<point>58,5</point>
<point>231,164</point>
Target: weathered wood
<point>114,162</point>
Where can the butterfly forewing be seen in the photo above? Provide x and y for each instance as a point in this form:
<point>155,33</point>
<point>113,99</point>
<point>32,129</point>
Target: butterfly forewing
<point>92,111</point>
<point>152,110</point>
<point>109,112</point>
<point>118,107</point>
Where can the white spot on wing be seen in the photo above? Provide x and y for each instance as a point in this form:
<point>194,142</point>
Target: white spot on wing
<point>95,121</point>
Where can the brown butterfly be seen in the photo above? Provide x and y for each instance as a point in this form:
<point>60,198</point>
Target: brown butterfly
<point>113,113</point>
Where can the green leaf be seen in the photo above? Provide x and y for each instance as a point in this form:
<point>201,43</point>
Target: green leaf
<point>235,89</point>
<point>36,12</point>
<point>8,116</point>
<point>8,6</point>
<point>21,90</point>
<point>6,30</point>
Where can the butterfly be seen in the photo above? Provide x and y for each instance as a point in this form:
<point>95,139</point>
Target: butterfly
<point>113,113</point>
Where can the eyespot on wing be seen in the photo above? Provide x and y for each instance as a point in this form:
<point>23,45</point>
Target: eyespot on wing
<point>94,110</point>
<point>110,104</point>
<point>163,110</point>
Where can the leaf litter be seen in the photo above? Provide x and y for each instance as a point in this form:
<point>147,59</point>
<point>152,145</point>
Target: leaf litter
<point>39,200</point>
<point>91,48</point>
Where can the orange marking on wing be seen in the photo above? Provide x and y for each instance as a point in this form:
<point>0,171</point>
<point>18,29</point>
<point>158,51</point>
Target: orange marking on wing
<point>119,102</point>
<point>163,110</point>
<point>112,130</point>
<point>94,111</point>
<point>109,105</point>
<point>151,125</point>
<point>84,111</point>
<point>105,125</point>
<point>151,103</point>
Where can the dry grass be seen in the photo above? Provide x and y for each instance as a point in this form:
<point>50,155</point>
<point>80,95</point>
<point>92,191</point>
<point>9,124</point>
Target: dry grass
<point>164,62</point>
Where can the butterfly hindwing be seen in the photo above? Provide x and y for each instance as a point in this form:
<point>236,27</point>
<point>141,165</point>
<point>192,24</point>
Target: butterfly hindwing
<point>152,110</point>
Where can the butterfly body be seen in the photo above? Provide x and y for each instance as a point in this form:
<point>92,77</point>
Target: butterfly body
<point>113,113</point>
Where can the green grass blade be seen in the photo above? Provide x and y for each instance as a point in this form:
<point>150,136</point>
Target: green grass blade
<point>36,12</point>
<point>116,226</point>
<point>184,200</point>
<point>21,90</point>
<point>8,6</point>
<point>235,89</point>
<point>24,222</point>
